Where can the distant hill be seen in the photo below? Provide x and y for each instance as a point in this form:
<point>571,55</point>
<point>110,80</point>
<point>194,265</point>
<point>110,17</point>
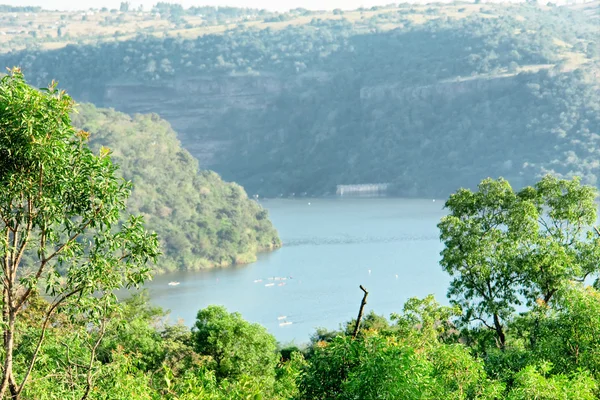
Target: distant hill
<point>201,220</point>
<point>425,97</point>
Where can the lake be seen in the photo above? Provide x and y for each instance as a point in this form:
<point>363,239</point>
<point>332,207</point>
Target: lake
<point>331,246</point>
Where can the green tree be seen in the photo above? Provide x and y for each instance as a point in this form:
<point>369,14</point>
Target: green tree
<point>237,347</point>
<point>564,246</point>
<point>502,246</point>
<point>482,236</point>
<point>459,375</point>
<point>59,207</point>
<point>370,367</point>
<point>568,335</point>
<point>424,322</point>
<point>369,322</point>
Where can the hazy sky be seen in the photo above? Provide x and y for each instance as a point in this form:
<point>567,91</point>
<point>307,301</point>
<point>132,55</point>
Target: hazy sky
<point>268,4</point>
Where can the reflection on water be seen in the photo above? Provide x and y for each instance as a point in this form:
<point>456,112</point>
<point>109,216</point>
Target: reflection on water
<point>331,246</point>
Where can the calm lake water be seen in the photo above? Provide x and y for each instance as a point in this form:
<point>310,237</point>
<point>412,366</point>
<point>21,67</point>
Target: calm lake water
<point>331,246</point>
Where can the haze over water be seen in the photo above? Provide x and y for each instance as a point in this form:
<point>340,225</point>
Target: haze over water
<point>329,248</point>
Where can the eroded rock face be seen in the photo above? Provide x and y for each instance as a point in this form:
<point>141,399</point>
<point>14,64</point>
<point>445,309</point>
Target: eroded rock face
<point>195,107</point>
<point>444,90</point>
<point>198,108</point>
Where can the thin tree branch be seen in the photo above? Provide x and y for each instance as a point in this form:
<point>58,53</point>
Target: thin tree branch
<point>43,334</point>
<point>68,242</point>
<point>69,362</point>
<point>90,375</point>
<point>26,237</point>
<point>483,322</point>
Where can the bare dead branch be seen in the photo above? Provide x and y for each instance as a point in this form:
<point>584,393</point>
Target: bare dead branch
<point>360,311</point>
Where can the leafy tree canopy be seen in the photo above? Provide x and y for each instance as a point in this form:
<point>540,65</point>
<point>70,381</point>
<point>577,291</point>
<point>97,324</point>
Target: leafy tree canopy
<point>60,229</point>
<point>505,248</point>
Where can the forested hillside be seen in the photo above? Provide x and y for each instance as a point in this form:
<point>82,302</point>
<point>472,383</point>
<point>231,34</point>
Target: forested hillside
<point>428,98</point>
<point>201,220</point>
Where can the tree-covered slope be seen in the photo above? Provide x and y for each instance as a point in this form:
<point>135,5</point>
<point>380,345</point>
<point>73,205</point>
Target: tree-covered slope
<point>427,98</point>
<point>201,220</point>
<point>426,140</point>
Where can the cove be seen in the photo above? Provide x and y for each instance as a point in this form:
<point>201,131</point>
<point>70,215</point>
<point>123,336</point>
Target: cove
<point>331,246</point>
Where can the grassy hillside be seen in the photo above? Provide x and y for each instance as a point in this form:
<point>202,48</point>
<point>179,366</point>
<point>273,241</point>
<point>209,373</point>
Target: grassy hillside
<point>425,97</point>
<point>34,27</point>
<point>201,220</point>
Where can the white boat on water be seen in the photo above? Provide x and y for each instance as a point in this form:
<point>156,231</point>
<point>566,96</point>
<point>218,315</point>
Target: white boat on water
<point>282,317</point>
<point>173,283</point>
<point>285,323</point>
<point>257,280</point>
<point>269,284</point>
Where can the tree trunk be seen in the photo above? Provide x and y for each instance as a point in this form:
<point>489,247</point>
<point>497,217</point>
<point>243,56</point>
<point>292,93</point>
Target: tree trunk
<point>8,380</point>
<point>500,332</point>
<point>360,311</point>
<point>548,295</point>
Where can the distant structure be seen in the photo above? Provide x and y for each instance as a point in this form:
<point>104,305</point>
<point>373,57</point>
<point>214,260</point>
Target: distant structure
<point>362,189</point>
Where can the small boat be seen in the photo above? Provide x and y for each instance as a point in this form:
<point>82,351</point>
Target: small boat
<point>282,317</point>
<point>173,283</point>
<point>285,323</point>
<point>270,284</point>
<point>257,280</point>
<point>281,284</point>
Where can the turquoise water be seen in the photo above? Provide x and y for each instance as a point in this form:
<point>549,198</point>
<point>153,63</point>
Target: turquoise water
<point>331,246</point>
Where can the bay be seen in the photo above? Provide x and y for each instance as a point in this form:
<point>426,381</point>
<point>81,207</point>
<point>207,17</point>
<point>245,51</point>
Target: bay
<point>331,246</point>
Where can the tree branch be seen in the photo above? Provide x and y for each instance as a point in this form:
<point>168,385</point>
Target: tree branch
<point>483,322</point>
<point>43,334</point>
<point>92,358</point>
<point>360,311</point>
<point>26,237</point>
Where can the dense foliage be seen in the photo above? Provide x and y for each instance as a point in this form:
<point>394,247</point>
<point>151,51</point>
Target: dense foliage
<point>428,98</point>
<point>425,351</point>
<point>419,354</point>
<point>505,249</point>
<point>60,232</point>
<point>201,220</point>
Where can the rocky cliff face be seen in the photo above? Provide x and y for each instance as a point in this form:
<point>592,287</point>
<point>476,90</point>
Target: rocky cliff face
<point>444,91</point>
<point>194,107</point>
<point>200,108</point>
